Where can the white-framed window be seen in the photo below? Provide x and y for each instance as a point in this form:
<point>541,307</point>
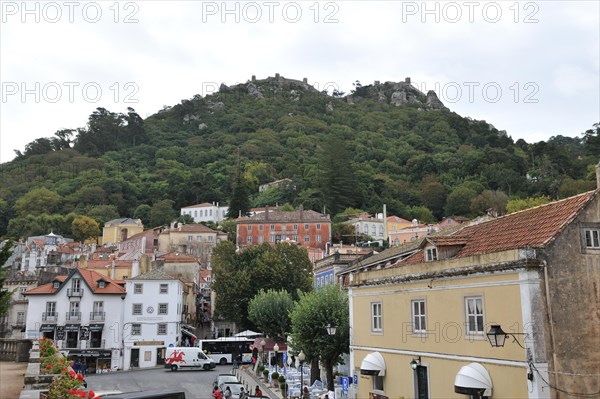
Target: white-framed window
<point>272,238</point>
<point>366,229</point>
<point>249,228</point>
<point>378,382</point>
<point>272,227</point>
<point>431,254</point>
<point>56,284</point>
<point>318,226</point>
<point>376,317</point>
<point>210,238</point>
<point>20,318</point>
<point>164,289</point>
<point>306,227</point>
<point>306,238</point>
<point>198,238</point>
<point>295,237</point>
<point>136,329</point>
<point>318,238</point>
<point>261,239</point>
<point>474,314</point>
<point>163,308</point>
<point>261,227</point>
<point>138,288</point>
<point>190,238</point>
<point>136,309</point>
<point>592,238</point>
<point>249,239</point>
<point>419,325</point>
<point>162,329</point>
<point>51,308</point>
<point>21,291</point>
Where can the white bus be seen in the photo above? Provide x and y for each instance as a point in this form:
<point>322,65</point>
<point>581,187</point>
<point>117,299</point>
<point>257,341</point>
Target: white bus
<point>225,349</point>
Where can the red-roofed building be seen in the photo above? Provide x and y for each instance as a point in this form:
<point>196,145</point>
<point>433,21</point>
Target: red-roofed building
<point>530,277</point>
<point>196,240</point>
<point>79,311</point>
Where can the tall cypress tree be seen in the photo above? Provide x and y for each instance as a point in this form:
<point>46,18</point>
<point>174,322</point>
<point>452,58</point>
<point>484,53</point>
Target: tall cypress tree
<point>240,196</point>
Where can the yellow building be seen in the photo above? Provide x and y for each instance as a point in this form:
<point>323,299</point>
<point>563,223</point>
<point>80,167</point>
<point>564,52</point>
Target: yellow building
<point>118,230</point>
<point>421,320</point>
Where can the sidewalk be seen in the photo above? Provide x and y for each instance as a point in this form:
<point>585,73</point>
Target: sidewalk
<point>251,380</point>
<point>12,375</point>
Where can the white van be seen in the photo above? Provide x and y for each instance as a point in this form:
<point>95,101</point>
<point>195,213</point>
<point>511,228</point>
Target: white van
<point>187,358</point>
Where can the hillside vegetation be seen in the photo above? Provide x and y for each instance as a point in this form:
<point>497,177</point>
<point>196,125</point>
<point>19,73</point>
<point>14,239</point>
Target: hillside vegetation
<point>359,151</point>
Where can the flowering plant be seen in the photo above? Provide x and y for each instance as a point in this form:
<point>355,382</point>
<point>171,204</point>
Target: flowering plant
<point>68,384</point>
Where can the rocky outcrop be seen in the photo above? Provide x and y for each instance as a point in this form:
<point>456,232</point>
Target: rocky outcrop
<point>433,101</point>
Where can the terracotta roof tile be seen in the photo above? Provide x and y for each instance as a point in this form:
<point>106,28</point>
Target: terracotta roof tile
<point>202,205</point>
<point>91,278</point>
<point>281,216</point>
<point>177,257</point>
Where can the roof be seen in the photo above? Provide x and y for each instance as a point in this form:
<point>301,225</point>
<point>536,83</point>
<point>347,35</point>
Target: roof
<point>144,233</point>
<point>177,257</point>
<point>89,276</point>
<point>99,264</point>
<point>191,228</point>
<point>122,221</point>
<point>203,205</point>
<point>300,216</point>
<point>534,227</point>
<point>154,274</point>
<point>397,219</point>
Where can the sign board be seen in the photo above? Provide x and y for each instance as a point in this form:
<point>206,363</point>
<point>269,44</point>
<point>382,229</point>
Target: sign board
<point>149,343</point>
<point>355,380</point>
<point>345,383</point>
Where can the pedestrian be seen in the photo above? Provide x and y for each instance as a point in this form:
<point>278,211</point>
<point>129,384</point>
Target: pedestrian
<point>217,393</point>
<point>227,393</point>
<point>76,367</point>
<point>258,392</point>
<point>83,368</point>
<point>305,393</point>
<point>243,394</point>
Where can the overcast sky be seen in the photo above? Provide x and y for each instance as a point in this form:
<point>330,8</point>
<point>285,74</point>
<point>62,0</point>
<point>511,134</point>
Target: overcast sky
<point>530,68</point>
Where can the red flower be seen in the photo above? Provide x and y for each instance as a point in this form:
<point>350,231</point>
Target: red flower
<point>91,394</point>
<point>71,391</point>
<point>82,394</point>
<point>49,366</point>
<point>79,377</point>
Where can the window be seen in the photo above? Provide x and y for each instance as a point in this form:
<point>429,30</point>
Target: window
<point>56,284</point>
<point>592,238</point>
<point>210,212</point>
<point>283,227</point>
<point>249,240</point>
<point>306,238</point>
<point>376,317</point>
<point>295,238</point>
<point>98,308</point>
<point>318,238</point>
<point>249,228</point>
<point>136,329</point>
<point>272,238</point>
<point>20,318</point>
<point>261,227</point>
<point>318,226</point>
<point>162,329</point>
<point>261,239</point>
<point>21,291</point>
<point>474,315</point>
<point>295,227</point>
<point>137,309</point>
<point>431,254</point>
<point>51,308</point>
<point>305,227</point>
<point>210,238</point>
<point>373,230</point>
<point>137,288</point>
<point>272,227</point>
<point>163,308</point>
<point>380,230</point>
<point>190,238</point>
<point>418,316</point>
<point>75,284</point>
<point>198,238</point>
<point>164,289</point>
<point>378,382</point>
<point>101,284</point>
<point>366,229</point>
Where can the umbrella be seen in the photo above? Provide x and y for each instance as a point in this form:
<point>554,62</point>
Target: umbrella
<point>248,333</point>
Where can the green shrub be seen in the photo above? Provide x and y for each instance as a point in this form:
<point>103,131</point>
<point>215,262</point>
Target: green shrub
<point>275,376</point>
<point>281,378</point>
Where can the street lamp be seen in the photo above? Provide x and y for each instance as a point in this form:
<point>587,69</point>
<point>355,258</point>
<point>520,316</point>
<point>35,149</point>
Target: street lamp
<point>301,358</point>
<point>497,336</point>
<point>276,349</point>
<point>262,349</point>
<point>331,329</point>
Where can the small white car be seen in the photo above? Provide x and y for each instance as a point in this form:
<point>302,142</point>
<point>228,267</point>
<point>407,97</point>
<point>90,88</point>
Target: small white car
<point>187,358</point>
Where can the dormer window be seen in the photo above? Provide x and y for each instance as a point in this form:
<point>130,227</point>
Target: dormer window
<point>431,254</point>
<point>55,284</point>
<point>101,284</point>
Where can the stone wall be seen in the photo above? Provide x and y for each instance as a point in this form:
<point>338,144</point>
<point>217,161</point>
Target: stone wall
<point>15,349</point>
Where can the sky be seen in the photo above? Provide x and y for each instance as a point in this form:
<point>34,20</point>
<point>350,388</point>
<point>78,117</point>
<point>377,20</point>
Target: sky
<point>531,68</point>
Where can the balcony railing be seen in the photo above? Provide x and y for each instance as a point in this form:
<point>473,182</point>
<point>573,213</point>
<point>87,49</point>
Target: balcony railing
<point>73,316</point>
<point>97,316</point>
<point>74,293</point>
<point>49,316</point>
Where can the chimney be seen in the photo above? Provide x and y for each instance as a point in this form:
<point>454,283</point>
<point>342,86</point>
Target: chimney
<point>267,212</point>
<point>135,267</point>
<point>385,225</point>
<point>301,208</point>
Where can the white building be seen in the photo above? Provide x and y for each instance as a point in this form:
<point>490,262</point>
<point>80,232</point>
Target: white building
<point>206,212</point>
<point>38,248</point>
<point>152,318</point>
<point>82,313</point>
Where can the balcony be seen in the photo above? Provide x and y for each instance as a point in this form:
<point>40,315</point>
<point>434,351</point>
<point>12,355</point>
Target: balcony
<point>97,316</point>
<point>74,293</point>
<point>50,316</point>
<point>73,316</point>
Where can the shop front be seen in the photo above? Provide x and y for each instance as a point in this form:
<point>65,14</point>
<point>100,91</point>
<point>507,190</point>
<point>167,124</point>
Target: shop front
<point>48,331</point>
<point>96,361</point>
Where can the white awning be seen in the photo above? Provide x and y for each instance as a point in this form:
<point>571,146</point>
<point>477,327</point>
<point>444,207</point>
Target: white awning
<point>473,378</point>
<point>373,364</point>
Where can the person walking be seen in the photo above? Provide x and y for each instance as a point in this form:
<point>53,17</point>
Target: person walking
<point>257,392</point>
<point>227,393</point>
<point>217,393</point>
<point>305,393</point>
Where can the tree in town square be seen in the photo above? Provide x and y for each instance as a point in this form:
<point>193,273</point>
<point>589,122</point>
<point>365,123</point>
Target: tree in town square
<point>270,312</point>
<point>311,316</point>
<point>239,276</point>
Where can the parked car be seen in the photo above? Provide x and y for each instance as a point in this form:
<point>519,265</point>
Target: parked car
<point>235,388</point>
<point>187,358</point>
<point>222,378</point>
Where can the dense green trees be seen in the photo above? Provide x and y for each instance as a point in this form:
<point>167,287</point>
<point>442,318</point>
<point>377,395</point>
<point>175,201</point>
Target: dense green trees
<point>270,312</point>
<point>84,227</point>
<point>5,295</point>
<point>238,277</point>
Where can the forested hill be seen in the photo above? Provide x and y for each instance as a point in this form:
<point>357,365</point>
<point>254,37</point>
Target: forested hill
<point>385,143</point>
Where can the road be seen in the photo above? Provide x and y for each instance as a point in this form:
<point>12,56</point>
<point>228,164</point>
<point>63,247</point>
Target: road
<point>197,384</point>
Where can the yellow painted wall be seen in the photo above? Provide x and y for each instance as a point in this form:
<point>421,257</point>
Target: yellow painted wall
<point>112,234</point>
<point>445,317</point>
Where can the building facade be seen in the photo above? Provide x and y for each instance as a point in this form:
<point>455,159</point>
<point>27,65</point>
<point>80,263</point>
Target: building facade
<point>420,318</point>
<point>206,212</point>
<point>118,230</point>
<point>82,313</point>
<point>196,240</point>
<point>152,318</point>
<point>309,229</point>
